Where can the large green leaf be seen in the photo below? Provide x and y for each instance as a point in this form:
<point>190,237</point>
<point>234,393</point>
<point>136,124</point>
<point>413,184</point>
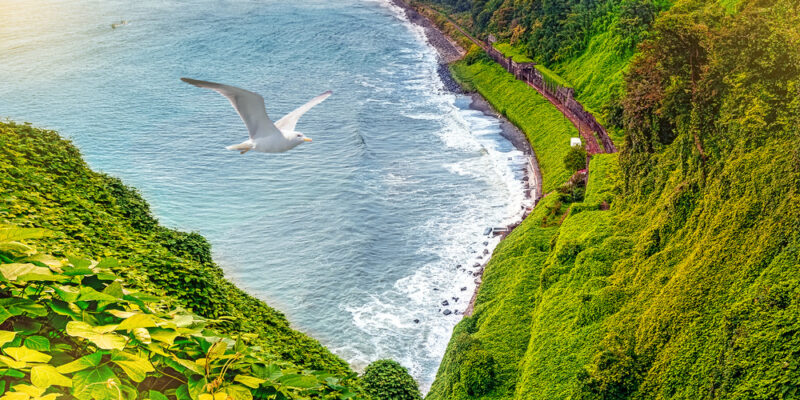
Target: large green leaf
<point>12,233</point>
<point>108,262</point>
<point>138,321</point>
<point>38,343</point>
<point>100,336</point>
<point>27,355</point>
<point>62,308</point>
<point>67,293</point>
<point>18,306</point>
<point>89,294</point>
<point>190,365</point>
<point>271,372</point>
<point>299,381</point>
<point>249,381</point>
<point>44,376</point>
<point>10,362</point>
<point>78,262</point>
<point>97,383</point>
<point>164,335</point>
<point>239,392</point>
<point>17,249</point>
<point>31,391</point>
<point>6,336</point>
<point>89,361</point>
<point>133,365</point>
<point>4,314</point>
<point>156,395</point>
<point>14,270</point>
<point>218,349</point>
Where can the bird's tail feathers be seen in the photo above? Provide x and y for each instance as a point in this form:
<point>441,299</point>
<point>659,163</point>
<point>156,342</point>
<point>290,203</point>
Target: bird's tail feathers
<point>244,146</point>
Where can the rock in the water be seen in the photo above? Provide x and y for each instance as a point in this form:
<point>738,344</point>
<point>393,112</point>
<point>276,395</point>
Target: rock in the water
<point>464,289</point>
<point>485,251</point>
<point>445,303</point>
<point>416,321</point>
<point>447,312</point>
<point>455,299</point>
<point>485,243</point>
<point>476,265</point>
<point>436,289</point>
<point>458,266</point>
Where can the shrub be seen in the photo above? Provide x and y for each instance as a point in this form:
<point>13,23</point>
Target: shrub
<point>388,380</point>
<point>478,373</point>
<point>475,55</point>
<point>575,159</point>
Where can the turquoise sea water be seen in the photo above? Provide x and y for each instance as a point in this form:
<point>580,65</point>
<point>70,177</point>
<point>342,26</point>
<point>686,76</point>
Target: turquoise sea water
<point>354,236</point>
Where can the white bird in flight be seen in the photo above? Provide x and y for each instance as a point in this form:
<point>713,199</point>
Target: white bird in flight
<point>265,136</point>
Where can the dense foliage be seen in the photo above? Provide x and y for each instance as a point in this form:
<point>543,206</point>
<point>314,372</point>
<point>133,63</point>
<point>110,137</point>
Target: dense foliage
<point>44,183</point>
<point>72,327</point>
<point>575,158</point>
<point>388,380</point>
<point>678,273</point>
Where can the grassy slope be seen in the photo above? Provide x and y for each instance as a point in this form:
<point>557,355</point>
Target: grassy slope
<point>595,72</point>
<point>546,128</point>
<point>516,53</point>
<point>45,183</point>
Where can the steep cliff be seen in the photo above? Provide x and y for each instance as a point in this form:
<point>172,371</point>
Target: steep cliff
<point>676,274</point>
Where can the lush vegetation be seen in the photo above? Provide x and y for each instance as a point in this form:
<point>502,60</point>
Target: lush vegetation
<point>388,380</point>
<point>575,159</point>
<point>677,273</point>
<point>44,183</point>
<point>546,128</point>
<point>514,52</point>
<point>588,44</point>
<point>72,327</point>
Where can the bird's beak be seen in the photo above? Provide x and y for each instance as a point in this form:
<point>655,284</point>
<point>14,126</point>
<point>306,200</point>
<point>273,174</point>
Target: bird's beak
<point>307,139</point>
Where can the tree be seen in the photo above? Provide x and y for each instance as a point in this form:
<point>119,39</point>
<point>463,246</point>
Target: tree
<point>388,380</point>
<point>576,158</point>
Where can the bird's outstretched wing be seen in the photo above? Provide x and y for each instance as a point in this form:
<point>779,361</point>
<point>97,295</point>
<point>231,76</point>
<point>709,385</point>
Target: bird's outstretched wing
<point>249,105</point>
<point>288,122</point>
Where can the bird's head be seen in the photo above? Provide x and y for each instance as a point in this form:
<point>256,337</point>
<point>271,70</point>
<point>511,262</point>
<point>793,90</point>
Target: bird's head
<point>299,138</point>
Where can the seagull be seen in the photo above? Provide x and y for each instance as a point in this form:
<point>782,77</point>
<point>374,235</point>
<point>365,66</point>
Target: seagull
<point>265,136</point>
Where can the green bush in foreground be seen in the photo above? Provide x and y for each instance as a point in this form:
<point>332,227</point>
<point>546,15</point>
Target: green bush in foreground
<point>388,380</point>
<point>71,327</point>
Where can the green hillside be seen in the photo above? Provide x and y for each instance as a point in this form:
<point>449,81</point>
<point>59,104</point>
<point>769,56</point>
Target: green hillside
<point>677,274</point>
<point>45,184</point>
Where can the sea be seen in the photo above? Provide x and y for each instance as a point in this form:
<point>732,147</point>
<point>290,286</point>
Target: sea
<point>360,236</point>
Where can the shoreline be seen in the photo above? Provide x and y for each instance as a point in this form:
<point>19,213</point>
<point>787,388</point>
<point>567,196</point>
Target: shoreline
<point>449,51</point>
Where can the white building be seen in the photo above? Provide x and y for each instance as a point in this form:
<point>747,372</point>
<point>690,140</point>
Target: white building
<point>576,141</point>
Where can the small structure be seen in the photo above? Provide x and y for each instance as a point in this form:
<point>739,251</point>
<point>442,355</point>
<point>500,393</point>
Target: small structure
<point>575,142</point>
<point>491,39</point>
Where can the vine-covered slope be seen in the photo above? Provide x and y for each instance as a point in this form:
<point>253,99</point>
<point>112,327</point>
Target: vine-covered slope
<point>677,275</point>
<point>72,328</point>
<point>44,183</point>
